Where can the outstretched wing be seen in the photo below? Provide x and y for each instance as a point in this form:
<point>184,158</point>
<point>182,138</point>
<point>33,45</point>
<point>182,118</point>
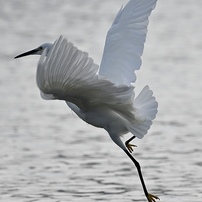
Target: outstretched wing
<point>125,42</point>
<point>67,73</point>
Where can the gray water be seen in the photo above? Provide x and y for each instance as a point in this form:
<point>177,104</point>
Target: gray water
<point>48,154</point>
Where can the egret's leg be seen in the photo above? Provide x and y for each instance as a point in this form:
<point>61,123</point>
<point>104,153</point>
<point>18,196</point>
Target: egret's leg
<point>130,146</point>
<point>150,197</point>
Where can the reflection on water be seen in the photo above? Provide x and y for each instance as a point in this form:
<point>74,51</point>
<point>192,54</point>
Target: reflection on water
<point>48,154</point>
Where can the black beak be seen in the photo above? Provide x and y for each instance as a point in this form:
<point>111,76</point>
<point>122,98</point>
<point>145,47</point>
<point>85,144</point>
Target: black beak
<point>32,52</point>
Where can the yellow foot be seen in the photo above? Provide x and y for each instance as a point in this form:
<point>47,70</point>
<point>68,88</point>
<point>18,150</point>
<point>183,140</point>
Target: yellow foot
<point>152,198</point>
<point>130,146</point>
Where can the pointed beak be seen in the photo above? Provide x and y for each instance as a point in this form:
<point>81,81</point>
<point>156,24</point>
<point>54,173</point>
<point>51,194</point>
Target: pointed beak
<point>32,52</point>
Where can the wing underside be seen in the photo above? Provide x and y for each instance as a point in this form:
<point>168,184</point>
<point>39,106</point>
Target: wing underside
<point>125,42</point>
<point>67,73</point>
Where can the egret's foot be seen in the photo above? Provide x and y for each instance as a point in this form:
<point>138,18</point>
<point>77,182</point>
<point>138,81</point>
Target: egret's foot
<point>130,146</point>
<point>152,198</point>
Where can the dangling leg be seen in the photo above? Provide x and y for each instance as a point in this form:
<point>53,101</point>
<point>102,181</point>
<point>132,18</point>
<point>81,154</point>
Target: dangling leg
<point>150,197</point>
<point>117,140</point>
<point>130,146</point>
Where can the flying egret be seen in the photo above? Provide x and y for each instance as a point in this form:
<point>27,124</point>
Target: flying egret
<point>104,97</point>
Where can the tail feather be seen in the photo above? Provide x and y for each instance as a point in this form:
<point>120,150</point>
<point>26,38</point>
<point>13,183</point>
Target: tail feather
<point>145,106</point>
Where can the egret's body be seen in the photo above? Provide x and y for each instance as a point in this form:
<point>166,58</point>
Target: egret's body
<point>104,97</point>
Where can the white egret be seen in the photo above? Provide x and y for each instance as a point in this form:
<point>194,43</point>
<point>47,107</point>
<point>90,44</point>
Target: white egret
<point>104,97</point>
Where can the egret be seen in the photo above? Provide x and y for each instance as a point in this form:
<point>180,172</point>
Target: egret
<point>104,96</point>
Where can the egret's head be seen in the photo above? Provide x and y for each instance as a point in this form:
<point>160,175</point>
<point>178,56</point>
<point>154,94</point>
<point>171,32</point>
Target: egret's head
<point>36,51</point>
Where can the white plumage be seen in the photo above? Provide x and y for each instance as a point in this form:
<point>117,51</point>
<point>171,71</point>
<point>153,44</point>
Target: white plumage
<point>67,73</point>
<point>125,42</point>
<point>104,97</point>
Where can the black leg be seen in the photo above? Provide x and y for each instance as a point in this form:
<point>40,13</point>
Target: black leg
<point>130,146</point>
<point>127,142</point>
<point>150,197</point>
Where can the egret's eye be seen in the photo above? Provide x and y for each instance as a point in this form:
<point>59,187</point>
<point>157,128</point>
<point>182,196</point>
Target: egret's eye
<point>40,48</point>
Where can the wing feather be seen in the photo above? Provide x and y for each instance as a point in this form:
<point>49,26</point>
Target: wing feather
<point>67,73</point>
<point>125,42</point>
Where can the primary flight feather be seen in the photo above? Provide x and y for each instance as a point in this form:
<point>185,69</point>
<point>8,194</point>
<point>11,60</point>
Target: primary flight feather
<point>104,96</point>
